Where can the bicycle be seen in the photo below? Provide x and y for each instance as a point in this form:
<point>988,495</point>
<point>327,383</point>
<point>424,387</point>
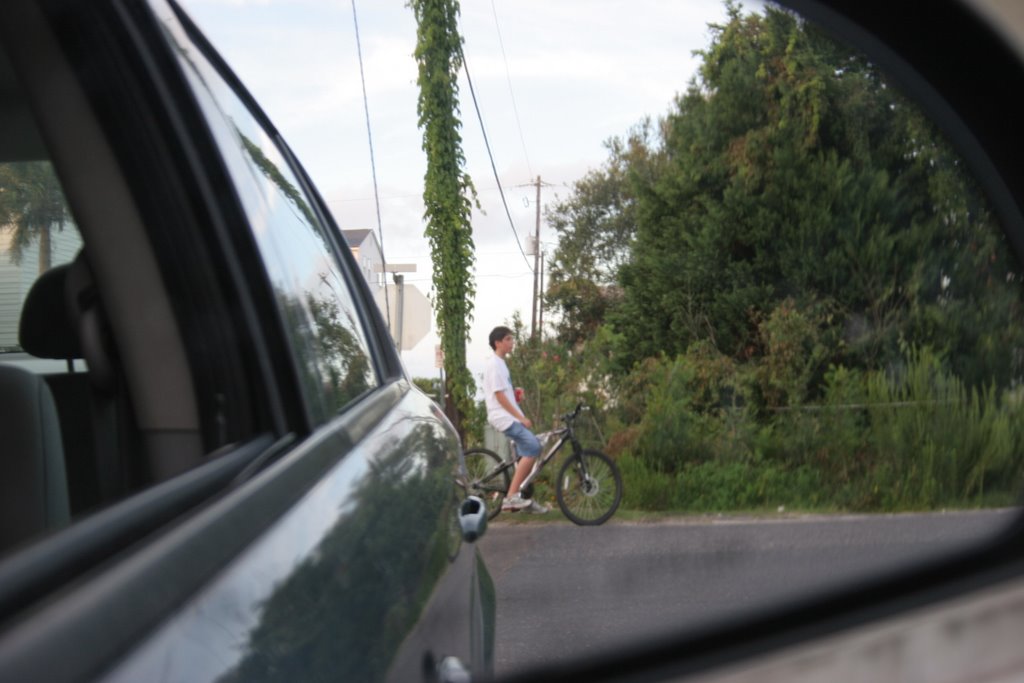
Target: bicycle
<point>589,484</point>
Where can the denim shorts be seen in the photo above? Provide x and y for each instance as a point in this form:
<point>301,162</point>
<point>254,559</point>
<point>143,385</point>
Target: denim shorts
<point>527,444</point>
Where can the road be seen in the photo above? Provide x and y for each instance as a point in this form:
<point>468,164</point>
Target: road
<point>568,591</point>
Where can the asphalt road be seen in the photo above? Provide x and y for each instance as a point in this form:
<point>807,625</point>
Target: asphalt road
<point>568,591</point>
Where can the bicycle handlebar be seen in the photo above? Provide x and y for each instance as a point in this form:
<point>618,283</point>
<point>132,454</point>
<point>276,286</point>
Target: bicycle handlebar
<point>569,417</point>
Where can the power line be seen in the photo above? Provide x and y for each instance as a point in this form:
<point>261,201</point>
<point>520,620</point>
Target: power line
<point>508,77</point>
<point>477,275</point>
<point>373,163</point>
<point>499,252</point>
<point>388,198</point>
<point>487,145</point>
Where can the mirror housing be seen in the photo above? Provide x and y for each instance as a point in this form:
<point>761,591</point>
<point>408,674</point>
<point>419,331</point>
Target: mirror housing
<point>472,518</point>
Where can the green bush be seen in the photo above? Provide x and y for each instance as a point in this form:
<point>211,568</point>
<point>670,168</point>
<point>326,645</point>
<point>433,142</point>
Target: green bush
<point>692,412</point>
<point>937,441</point>
<point>644,488</point>
<point>913,437</point>
<point>748,486</point>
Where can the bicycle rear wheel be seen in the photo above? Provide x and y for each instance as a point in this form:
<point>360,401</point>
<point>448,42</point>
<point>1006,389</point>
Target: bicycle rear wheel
<point>589,488</point>
<point>489,478</point>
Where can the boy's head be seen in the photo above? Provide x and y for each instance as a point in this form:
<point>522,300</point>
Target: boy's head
<point>497,334</point>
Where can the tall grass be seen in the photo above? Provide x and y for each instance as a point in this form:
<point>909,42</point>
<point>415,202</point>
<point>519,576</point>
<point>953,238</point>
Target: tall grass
<point>909,437</point>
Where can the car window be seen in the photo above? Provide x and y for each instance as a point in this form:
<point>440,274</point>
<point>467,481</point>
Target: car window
<point>330,347</point>
<point>787,294</point>
<point>37,233</point>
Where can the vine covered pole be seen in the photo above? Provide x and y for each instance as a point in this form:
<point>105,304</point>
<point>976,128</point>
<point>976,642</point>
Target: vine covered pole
<point>448,195</point>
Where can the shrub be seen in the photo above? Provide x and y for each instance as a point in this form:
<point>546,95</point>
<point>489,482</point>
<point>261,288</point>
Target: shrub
<point>938,442</point>
<point>645,488</point>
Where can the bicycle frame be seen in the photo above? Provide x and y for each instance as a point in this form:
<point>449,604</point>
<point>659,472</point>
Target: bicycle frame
<point>565,435</point>
<point>589,486</point>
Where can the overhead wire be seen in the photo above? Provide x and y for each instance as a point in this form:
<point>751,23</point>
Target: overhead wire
<point>396,197</point>
<point>373,164</point>
<point>494,169</point>
<point>512,95</point>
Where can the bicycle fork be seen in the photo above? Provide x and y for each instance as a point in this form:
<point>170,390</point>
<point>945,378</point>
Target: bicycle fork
<point>582,471</point>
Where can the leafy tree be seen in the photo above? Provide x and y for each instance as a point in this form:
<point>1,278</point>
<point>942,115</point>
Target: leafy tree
<point>595,226</point>
<point>793,231</point>
<point>31,206</point>
<point>448,194</point>
<point>271,171</point>
<point>431,386</point>
<point>341,361</point>
<point>790,170</point>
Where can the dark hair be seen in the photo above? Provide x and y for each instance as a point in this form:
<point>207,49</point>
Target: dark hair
<point>497,334</point>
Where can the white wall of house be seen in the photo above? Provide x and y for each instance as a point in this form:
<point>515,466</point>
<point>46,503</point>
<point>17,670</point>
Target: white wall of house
<point>366,251</point>
<point>417,312</point>
<point>17,279</point>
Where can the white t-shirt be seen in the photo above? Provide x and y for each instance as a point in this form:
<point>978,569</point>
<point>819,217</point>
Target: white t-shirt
<point>497,378</point>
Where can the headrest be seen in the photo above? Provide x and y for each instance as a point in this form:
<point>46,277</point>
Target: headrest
<point>89,323</point>
<point>46,329</point>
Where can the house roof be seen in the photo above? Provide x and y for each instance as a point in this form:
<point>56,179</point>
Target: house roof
<point>354,238</point>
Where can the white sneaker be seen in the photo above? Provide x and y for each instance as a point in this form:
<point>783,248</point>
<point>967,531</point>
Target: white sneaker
<point>514,504</point>
<point>518,503</point>
<point>535,507</point>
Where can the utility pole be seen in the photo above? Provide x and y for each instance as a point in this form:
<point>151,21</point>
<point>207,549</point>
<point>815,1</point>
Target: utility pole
<point>540,300</point>
<point>400,296</point>
<point>536,268</point>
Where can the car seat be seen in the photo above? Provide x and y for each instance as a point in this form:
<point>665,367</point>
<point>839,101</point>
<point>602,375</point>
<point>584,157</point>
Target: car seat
<point>59,320</point>
<point>33,484</point>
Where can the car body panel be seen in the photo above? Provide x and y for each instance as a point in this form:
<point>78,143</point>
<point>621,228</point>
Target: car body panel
<point>338,583</point>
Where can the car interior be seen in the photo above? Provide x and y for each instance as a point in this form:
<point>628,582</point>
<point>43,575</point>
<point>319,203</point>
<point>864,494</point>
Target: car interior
<point>82,435</point>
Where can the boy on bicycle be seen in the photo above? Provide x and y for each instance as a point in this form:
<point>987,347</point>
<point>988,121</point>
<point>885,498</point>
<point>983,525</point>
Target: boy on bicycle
<point>504,414</point>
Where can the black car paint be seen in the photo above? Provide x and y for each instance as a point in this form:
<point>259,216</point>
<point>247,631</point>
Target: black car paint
<point>365,578</point>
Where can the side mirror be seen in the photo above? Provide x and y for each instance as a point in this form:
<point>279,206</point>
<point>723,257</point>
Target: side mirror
<point>472,518</point>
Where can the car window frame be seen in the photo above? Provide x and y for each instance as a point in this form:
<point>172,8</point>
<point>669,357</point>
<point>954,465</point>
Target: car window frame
<point>382,352</point>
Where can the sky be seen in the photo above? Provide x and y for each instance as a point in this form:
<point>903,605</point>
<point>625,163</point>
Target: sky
<point>554,80</point>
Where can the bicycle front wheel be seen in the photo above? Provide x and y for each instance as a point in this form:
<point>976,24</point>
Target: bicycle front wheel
<point>589,488</point>
<point>489,478</point>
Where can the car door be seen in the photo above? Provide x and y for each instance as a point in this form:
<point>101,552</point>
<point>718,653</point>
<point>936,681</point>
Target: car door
<point>289,509</point>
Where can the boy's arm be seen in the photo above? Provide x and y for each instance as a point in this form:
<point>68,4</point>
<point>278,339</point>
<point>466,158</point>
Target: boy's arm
<point>512,410</point>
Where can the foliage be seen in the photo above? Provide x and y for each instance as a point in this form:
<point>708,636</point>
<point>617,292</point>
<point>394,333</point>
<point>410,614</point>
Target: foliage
<point>595,226</point>
<point>794,355</point>
<point>711,487</point>
<point>915,438</point>
<point>431,386</point>
<point>788,171</point>
<point>340,359</point>
<point>31,205</point>
<point>448,193</point>
<point>273,173</point>
<point>333,366</point>
<point>790,291</point>
<point>549,374</point>
<point>945,441</point>
<point>693,412</point>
